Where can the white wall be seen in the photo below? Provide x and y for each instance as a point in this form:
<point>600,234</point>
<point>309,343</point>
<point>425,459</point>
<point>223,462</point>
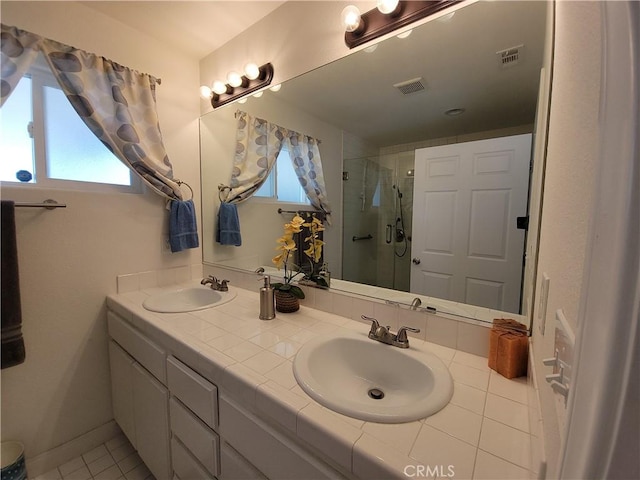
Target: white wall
<point>568,191</point>
<point>69,258</point>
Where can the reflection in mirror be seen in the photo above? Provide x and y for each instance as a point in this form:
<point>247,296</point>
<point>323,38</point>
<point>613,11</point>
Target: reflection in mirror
<point>384,116</point>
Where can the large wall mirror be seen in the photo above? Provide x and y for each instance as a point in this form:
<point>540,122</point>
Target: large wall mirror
<point>426,145</point>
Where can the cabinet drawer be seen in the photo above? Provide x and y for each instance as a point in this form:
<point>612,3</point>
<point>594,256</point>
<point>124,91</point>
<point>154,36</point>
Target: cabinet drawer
<point>234,466</point>
<point>146,353</point>
<point>185,467</point>
<point>198,394</point>
<point>201,441</point>
<point>268,450</point>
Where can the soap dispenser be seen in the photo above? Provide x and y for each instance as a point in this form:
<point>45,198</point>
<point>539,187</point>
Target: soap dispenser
<point>267,310</point>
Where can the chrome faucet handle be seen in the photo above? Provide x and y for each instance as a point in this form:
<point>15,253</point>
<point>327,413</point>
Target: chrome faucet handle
<point>374,324</point>
<point>415,303</point>
<point>223,287</point>
<point>209,279</point>
<point>401,337</point>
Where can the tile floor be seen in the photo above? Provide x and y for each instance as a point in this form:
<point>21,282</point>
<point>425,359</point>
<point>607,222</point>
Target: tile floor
<point>114,460</point>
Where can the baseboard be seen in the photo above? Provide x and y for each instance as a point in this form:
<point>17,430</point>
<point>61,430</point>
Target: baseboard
<point>72,449</point>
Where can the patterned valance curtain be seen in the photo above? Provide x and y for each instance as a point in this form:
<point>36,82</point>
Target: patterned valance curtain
<point>258,144</point>
<point>307,164</point>
<point>116,103</point>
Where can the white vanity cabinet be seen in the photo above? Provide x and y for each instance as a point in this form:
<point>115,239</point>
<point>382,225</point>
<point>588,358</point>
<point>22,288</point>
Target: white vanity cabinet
<point>234,466</point>
<point>140,399</point>
<point>269,450</point>
<point>194,416</point>
<point>185,429</point>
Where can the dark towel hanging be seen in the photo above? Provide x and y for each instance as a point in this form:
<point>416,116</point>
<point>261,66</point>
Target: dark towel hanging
<point>13,351</point>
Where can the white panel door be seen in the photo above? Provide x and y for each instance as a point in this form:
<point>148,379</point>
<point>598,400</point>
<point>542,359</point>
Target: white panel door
<point>466,246</point>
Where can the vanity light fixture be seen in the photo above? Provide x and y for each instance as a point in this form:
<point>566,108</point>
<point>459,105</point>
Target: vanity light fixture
<point>237,86</point>
<point>389,16</point>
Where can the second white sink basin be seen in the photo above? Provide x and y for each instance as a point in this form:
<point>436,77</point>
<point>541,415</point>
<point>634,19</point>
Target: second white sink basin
<point>371,381</point>
<point>188,299</point>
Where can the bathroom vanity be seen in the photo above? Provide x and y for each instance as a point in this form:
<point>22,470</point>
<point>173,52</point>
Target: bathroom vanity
<point>211,394</point>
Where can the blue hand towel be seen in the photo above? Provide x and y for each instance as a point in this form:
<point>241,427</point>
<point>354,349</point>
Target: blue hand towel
<point>183,230</point>
<point>228,231</point>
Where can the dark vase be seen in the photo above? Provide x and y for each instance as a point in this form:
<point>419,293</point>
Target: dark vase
<point>286,302</point>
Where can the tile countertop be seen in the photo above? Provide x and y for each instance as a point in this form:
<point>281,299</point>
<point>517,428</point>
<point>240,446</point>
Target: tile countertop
<point>483,433</point>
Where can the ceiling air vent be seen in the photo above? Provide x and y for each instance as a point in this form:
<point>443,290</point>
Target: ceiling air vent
<point>411,86</point>
<point>510,57</point>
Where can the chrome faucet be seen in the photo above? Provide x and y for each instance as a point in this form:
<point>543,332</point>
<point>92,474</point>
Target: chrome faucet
<point>415,304</point>
<point>215,284</point>
<point>384,335</point>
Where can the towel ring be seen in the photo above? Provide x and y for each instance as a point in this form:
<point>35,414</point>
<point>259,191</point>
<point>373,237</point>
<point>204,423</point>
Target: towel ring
<point>180,183</point>
<point>221,189</point>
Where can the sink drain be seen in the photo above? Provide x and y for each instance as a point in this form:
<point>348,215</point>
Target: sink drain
<point>376,394</point>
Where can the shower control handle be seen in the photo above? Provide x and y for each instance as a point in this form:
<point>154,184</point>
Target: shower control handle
<point>416,261</point>
<point>399,230</point>
<point>389,232</point>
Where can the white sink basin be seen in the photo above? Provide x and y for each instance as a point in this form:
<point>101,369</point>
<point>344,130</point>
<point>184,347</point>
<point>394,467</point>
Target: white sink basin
<point>188,299</point>
<point>347,373</point>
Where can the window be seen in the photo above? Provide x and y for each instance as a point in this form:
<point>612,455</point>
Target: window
<point>43,141</point>
<point>282,184</point>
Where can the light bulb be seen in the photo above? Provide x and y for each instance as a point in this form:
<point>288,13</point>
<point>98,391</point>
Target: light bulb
<point>276,88</point>
<point>387,6</point>
<point>205,92</point>
<point>251,71</point>
<point>219,87</point>
<point>234,79</point>
<point>350,17</point>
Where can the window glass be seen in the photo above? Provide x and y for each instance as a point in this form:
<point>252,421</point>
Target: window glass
<point>282,184</point>
<point>73,151</point>
<point>268,188</point>
<point>289,188</point>
<point>16,144</point>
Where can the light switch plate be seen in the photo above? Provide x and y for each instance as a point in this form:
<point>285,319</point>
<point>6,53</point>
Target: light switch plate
<point>542,304</point>
<point>564,342</point>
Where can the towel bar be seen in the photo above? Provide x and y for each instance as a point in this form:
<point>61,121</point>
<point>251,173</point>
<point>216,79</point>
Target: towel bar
<point>49,204</point>
<point>280,210</point>
<point>366,237</point>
